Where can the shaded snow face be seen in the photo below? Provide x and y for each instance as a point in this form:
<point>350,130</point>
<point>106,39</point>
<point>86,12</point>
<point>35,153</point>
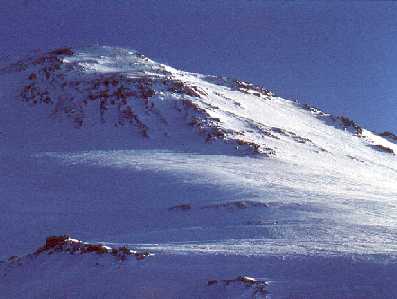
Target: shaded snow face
<point>235,205</point>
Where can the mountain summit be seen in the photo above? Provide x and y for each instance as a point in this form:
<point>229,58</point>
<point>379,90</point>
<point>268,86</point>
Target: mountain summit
<point>98,89</point>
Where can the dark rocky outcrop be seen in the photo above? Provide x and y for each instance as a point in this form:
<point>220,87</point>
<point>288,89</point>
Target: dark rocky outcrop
<point>250,88</point>
<point>66,244</point>
<point>382,148</point>
<point>181,207</point>
<point>239,205</point>
<point>389,136</point>
<point>260,287</point>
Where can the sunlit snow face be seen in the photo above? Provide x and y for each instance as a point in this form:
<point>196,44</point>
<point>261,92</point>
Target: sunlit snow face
<point>109,59</point>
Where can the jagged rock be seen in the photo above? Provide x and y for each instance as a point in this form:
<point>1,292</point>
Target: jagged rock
<point>356,159</point>
<point>348,123</point>
<point>389,136</point>
<point>251,88</point>
<point>13,258</point>
<point>62,51</point>
<point>66,244</point>
<point>181,207</point>
<point>53,242</point>
<point>242,204</point>
<point>382,148</point>
<point>211,282</point>
<point>259,286</point>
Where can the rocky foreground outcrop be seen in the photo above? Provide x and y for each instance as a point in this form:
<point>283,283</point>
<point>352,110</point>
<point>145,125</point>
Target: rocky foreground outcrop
<point>66,244</point>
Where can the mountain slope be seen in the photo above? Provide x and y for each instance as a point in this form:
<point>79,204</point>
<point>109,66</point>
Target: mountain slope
<point>109,146</point>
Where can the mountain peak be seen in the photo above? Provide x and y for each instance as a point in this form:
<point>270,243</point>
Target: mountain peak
<point>121,88</point>
<point>122,98</point>
<point>105,60</point>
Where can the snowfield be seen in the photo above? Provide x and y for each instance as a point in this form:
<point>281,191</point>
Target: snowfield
<point>220,179</point>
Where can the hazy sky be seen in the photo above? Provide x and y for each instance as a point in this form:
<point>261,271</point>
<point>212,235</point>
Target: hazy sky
<point>339,56</point>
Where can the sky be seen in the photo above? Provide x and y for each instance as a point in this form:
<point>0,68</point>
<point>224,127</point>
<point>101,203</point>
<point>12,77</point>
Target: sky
<point>338,56</point>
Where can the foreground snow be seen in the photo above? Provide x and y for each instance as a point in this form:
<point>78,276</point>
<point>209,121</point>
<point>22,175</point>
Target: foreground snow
<point>257,186</point>
<point>186,276</point>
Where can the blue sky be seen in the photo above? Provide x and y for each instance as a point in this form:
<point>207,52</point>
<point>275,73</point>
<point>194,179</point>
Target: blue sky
<point>339,56</point>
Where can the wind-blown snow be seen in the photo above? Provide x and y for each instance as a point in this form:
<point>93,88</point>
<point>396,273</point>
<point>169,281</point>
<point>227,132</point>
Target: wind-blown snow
<point>265,182</point>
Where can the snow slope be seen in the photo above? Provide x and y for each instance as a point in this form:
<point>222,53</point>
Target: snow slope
<point>218,177</point>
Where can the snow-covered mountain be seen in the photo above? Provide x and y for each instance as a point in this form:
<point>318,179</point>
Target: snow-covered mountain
<point>218,178</point>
